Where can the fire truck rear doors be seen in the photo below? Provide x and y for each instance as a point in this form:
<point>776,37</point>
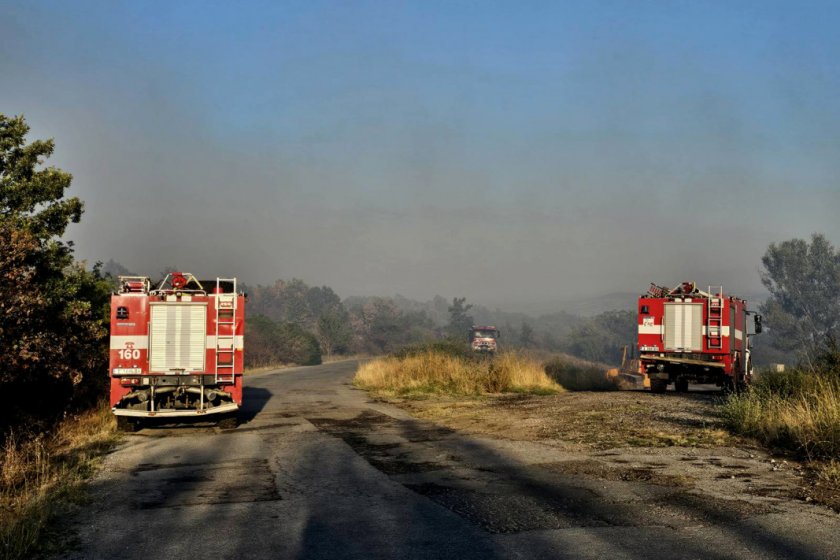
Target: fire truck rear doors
<point>683,327</point>
<point>177,338</point>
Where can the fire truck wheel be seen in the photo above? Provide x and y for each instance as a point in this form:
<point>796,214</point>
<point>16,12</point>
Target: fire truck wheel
<point>125,424</point>
<point>658,385</point>
<point>731,386</point>
<point>228,422</point>
<point>681,385</point>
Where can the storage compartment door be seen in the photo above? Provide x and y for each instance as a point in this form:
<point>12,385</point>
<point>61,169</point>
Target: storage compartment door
<point>684,327</point>
<point>177,337</point>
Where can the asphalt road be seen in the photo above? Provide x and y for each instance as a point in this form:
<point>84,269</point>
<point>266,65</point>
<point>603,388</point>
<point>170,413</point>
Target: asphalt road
<point>318,470</point>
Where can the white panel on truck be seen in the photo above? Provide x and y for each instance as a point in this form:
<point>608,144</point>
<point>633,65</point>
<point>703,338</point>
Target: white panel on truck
<point>177,336</point>
<point>684,326</point>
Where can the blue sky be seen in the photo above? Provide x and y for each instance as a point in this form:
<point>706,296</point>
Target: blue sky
<point>512,152</point>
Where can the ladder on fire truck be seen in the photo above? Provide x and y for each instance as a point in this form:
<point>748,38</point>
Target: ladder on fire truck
<point>225,331</point>
<point>714,320</point>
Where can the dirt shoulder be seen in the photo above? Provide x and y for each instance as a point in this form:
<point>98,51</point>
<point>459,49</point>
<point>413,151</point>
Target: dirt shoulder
<point>671,439</point>
<point>584,420</point>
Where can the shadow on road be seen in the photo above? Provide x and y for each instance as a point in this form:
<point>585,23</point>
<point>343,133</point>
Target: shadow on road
<point>528,502</point>
<point>254,400</point>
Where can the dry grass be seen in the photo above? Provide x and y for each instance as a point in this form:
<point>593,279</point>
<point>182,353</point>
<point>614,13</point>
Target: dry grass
<point>40,479</point>
<point>436,372</point>
<point>829,472</point>
<point>795,412</point>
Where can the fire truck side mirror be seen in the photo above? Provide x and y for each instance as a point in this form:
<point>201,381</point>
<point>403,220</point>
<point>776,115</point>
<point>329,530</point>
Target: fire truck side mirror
<point>758,327</point>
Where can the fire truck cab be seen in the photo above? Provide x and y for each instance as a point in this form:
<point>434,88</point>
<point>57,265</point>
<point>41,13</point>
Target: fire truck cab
<point>176,349</point>
<point>686,335</point>
<point>484,339</point>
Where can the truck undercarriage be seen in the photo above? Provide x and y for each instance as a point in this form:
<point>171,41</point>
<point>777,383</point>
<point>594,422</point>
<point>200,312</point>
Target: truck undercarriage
<point>683,369</point>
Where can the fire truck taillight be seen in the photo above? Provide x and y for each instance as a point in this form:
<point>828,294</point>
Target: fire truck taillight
<point>130,381</point>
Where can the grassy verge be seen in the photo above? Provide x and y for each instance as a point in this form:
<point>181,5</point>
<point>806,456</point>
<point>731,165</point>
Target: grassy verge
<point>797,412</point>
<point>41,479</point>
<point>448,371</point>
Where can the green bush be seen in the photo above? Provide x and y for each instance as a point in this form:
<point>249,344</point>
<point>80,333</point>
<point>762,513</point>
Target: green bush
<point>269,343</point>
<point>298,345</point>
<point>53,311</point>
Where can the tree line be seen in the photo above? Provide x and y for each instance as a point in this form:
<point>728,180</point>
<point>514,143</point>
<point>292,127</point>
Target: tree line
<point>54,310</point>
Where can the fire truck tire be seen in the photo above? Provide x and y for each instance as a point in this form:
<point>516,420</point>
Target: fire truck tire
<point>658,385</point>
<point>125,424</point>
<point>229,422</point>
<point>731,386</point>
<point>681,385</point>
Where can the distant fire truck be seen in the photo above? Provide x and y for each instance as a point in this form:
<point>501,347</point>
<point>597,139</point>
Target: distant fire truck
<point>176,349</point>
<point>690,336</point>
<point>483,339</point>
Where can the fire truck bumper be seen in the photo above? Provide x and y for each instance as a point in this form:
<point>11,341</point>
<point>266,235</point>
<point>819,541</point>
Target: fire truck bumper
<point>221,409</point>
<point>686,361</point>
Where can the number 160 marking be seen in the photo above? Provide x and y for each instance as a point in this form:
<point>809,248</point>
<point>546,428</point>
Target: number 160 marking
<point>129,354</point>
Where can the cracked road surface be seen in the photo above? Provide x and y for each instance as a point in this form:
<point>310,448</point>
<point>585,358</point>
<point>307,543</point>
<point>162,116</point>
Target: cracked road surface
<point>318,470</point>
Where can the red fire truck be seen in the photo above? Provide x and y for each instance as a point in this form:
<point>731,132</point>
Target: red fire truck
<point>687,336</point>
<point>176,349</point>
<point>484,339</point>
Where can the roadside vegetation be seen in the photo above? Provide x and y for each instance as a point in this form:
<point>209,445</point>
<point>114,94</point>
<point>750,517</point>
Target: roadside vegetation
<point>446,369</point>
<point>53,311</point>
<point>41,480</point>
<point>797,412</point>
<point>577,375</point>
<point>53,336</point>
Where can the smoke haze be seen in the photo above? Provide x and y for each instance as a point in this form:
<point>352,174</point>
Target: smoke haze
<point>514,153</point>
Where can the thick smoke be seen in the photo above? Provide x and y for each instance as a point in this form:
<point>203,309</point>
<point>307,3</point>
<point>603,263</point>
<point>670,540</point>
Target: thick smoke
<point>520,160</point>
